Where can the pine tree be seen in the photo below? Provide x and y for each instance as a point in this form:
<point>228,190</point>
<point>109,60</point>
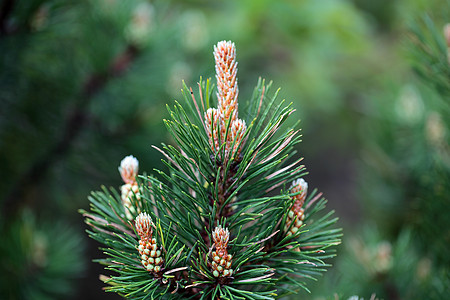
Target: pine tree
<point>231,217</point>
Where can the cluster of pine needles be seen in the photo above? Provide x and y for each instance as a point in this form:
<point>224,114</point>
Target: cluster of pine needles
<point>231,217</point>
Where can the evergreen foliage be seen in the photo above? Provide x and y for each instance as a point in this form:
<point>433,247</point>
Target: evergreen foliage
<point>81,84</point>
<point>39,260</point>
<point>416,132</point>
<point>402,251</point>
<point>413,141</point>
<point>225,198</point>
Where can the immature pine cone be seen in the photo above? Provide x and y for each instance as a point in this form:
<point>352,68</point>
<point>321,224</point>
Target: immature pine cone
<point>221,264</point>
<point>216,120</point>
<point>150,254</point>
<point>296,213</point>
<point>226,71</point>
<point>128,171</point>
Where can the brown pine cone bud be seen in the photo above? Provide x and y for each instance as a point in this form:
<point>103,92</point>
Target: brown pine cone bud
<point>299,186</point>
<point>294,217</point>
<point>221,260</point>
<point>296,212</point>
<point>225,116</point>
<point>227,87</point>
<point>150,255</point>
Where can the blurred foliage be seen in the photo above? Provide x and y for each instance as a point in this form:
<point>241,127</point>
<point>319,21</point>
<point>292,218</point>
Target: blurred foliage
<point>83,83</point>
<point>79,90</point>
<point>39,260</point>
<point>408,155</point>
<point>404,180</point>
<point>389,270</point>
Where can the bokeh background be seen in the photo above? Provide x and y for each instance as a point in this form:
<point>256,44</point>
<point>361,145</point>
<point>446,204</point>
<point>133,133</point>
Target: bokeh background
<point>83,83</point>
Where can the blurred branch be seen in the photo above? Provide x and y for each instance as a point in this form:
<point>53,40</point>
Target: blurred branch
<point>73,126</point>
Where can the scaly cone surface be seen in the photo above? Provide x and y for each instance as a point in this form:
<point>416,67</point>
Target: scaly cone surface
<point>222,124</point>
<point>221,264</point>
<point>148,249</point>
<point>297,213</point>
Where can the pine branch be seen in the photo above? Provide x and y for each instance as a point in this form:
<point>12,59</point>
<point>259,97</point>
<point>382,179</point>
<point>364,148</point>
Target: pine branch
<point>212,225</point>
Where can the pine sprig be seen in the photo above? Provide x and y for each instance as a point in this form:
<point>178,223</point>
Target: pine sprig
<point>221,221</point>
<point>429,53</point>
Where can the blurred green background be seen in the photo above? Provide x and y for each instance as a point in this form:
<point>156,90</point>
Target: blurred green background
<point>83,83</point>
